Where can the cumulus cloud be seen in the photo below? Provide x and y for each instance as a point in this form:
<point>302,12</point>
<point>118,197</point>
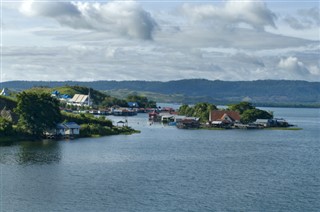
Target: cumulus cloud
<point>214,41</point>
<point>254,13</point>
<point>125,18</point>
<point>294,67</point>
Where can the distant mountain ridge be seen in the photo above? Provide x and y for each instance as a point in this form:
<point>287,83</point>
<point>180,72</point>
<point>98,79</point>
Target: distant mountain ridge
<point>260,91</point>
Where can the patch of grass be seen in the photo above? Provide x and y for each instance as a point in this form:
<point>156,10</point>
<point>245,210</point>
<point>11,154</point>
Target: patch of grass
<point>212,128</point>
<point>284,128</point>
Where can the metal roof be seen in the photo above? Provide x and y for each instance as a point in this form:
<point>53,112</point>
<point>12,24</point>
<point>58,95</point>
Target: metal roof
<point>79,98</point>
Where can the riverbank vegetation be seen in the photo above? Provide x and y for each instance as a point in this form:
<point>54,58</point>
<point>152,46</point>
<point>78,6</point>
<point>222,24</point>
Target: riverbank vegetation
<point>249,113</point>
<point>33,113</point>
<point>201,110</point>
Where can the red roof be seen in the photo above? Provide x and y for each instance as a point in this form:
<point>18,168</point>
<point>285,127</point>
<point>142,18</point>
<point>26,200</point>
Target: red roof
<point>218,115</point>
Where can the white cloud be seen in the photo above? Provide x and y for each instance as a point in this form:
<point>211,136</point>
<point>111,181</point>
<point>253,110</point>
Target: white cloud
<point>254,13</point>
<point>126,18</point>
<point>223,41</point>
<point>294,68</point>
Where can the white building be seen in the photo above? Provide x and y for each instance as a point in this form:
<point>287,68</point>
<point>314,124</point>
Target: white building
<point>64,129</point>
<point>80,100</point>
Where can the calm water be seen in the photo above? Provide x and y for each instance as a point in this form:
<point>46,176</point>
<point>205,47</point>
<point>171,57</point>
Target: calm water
<point>166,169</point>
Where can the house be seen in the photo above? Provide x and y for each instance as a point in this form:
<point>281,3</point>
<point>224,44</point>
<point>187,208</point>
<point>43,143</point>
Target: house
<point>71,128</point>
<point>166,118</point>
<point>55,94</point>
<point>65,98</point>
<point>280,122</point>
<point>63,130</point>
<point>124,112</point>
<point>154,116</point>
<point>58,131</point>
<point>80,100</point>
<point>222,118</point>
<point>188,123</point>
<point>178,118</point>
<point>167,109</point>
<point>265,122</point>
<point>133,104</point>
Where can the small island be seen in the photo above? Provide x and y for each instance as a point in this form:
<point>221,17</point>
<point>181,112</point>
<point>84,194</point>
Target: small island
<point>207,116</point>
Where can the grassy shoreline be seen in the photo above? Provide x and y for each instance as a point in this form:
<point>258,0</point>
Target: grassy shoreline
<point>283,128</point>
<point>22,138</point>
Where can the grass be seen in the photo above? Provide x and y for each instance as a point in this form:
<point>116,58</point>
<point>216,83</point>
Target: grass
<point>212,128</point>
<point>284,128</point>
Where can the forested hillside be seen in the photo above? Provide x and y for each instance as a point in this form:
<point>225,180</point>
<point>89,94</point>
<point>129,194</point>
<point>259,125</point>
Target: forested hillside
<point>261,91</point>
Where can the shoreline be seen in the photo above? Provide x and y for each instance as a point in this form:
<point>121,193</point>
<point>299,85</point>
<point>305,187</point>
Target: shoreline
<point>24,138</point>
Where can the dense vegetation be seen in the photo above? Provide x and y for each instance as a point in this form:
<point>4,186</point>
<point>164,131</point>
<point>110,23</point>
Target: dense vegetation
<point>7,102</point>
<point>261,91</point>
<point>200,110</point>
<point>86,119</point>
<point>39,112</point>
<point>249,113</point>
<point>142,101</point>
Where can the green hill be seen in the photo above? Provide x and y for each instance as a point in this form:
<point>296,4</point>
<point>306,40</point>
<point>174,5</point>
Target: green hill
<point>192,90</point>
<point>96,96</point>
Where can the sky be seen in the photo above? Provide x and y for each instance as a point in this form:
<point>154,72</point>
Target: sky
<point>89,40</point>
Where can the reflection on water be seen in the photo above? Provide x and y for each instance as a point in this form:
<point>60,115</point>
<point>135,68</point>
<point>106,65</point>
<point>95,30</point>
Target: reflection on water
<point>28,153</point>
<point>167,169</point>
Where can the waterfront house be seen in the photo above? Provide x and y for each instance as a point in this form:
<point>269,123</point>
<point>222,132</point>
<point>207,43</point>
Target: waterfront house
<point>166,118</point>
<point>133,105</point>
<point>63,130</point>
<point>265,122</point>
<point>276,122</point>
<point>72,128</point>
<point>58,131</point>
<point>124,112</point>
<point>188,123</point>
<point>280,122</point>
<point>154,116</point>
<point>221,118</point>
<point>167,109</point>
<point>178,118</point>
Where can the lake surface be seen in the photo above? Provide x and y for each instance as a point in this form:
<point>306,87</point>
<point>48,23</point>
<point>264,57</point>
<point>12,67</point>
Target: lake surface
<point>167,169</point>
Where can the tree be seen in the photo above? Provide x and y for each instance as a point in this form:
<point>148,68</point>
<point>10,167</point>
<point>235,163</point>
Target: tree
<point>5,127</point>
<point>254,114</point>
<point>200,110</point>
<point>241,107</point>
<point>142,101</point>
<point>110,101</point>
<point>37,112</point>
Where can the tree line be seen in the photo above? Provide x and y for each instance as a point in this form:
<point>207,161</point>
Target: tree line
<point>247,111</point>
<point>39,112</point>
